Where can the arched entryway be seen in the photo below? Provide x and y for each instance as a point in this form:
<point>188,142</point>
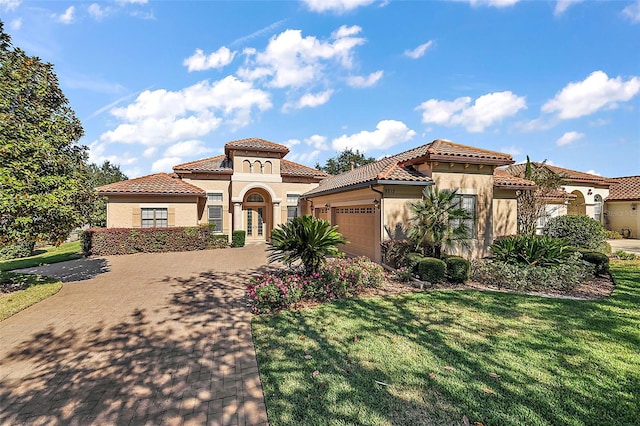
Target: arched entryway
<point>577,206</point>
<point>256,215</point>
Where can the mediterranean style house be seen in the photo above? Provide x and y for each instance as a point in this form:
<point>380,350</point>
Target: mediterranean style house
<point>253,188</point>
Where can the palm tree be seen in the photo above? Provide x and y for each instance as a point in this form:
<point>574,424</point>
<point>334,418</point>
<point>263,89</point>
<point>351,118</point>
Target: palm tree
<point>438,220</point>
<point>307,239</point>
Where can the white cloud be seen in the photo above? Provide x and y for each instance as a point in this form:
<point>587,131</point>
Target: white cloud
<point>291,60</point>
<point>97,155</point>
<point>291,142</point>
<point>511,150</point>
<point>632,12</point>
<point>318,142</point>
<point>97,12</point>
<point>593,172</point>
<point>487,110</point>
<point>188,148</point>
<point>133,172</point>
<point>9,5</point>
<point>304,157</point>
<point>387,134</point>
<point>568,138</point>
<point>362,81</point>
<point>149,152</point>
<point>263,31</point>
<point>585,97</point>
<point>161,116</point>
<point>336,6</point>
<point>67,16</point>
<point>310,100</point>
<point>419,51</point>
<point>133,1</point>
<point>218,59</point>
<point>563,5</point>
<point>165,164</point>
<point>492,3</point>
<point>16,24</point>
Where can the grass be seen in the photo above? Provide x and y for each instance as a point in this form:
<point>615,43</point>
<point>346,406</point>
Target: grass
<point>558,361</point>
<point>66,251</point>
<point>36,288</point>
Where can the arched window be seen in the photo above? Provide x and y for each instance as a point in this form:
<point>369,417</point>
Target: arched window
<point>246,166</point>
<point>268,167</point>
<point>257,167</point>
<point>597,207</point>
<point>255,198</point>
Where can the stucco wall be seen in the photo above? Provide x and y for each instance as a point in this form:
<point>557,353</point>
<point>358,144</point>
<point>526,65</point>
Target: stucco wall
<point>505,213</point>
<point>120,210</point>
<point>589,199</point>
<point>619,215</point>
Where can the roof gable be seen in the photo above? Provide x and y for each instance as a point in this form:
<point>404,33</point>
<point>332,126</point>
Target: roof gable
<point>289,168</point>
<point>443,150</point>
<point>218,164</point>
<point>502,179</point>
<point>255,144</point>
<point>568,175</point>
<point>156,184</point>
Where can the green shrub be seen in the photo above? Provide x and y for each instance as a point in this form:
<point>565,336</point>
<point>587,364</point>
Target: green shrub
<point>411,261</point>
<point>432,270</point>
<point>17,250</point>
<point>623,255</point>
<point>562,276</point>
<point>540,250</point>
<point>114,241</point>
<point>578,231</point>
<point>458,269</point>
<point>613,235</point>
<point>599,260</point>
<point>237,238</point>
<point>394,252</point>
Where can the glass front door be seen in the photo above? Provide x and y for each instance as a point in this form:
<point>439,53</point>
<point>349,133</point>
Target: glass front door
<point>254,217</point>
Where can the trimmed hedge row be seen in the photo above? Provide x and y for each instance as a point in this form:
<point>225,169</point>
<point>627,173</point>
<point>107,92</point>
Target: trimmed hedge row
<point>111,241</point>
<point>454,269</point>
<point>17,250</point>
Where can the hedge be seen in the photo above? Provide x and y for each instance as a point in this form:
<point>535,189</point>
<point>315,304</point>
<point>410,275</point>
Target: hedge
<point>432,270</point>
<point>237,238</point>
<point>17,250</point>
<point>458,269</point>
<point>599,260</point>
<point>111,241</point>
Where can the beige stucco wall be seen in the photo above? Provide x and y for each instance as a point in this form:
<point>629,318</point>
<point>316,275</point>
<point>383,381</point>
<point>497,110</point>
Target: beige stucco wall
<point>505,212</point>
<point>589,199</point>
<point>620,214</point>
<point>120,209</point>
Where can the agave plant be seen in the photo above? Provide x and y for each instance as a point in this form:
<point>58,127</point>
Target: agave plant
<point>307,239</point>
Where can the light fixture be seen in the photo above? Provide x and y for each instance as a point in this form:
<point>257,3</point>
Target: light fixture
<point>633,206</point>
<point>589,192</point>
<point>327,206</point>
<point>376,203</point>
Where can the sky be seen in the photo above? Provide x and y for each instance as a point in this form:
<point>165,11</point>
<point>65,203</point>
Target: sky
<point>159,83</point>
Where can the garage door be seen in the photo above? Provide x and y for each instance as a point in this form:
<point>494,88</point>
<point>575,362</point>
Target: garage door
<point>357,224</point>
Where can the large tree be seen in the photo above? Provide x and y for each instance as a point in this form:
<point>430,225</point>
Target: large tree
<point>44,192</point>
<point>532,204</point>
<point>99,175</point>
<point>345,161</point>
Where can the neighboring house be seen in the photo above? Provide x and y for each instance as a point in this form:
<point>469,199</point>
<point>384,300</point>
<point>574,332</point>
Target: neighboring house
<point>370,203</point>
<point>622,206</point>
<point>580,194</point>
<point>251,187</point>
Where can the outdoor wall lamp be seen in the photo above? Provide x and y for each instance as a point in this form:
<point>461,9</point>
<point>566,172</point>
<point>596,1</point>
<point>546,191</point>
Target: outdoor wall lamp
<point>327,206</point>
<point>633,206</point>
<point>376,203</point>
<point>589,192</point>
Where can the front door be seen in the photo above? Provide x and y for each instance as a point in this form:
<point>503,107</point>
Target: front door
<point>254,223</point>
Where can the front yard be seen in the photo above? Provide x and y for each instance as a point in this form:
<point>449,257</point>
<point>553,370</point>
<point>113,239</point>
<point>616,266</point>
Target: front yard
<point>443,357</point>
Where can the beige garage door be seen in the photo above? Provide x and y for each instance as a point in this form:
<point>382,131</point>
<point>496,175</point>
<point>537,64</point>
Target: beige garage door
<point>357,224</point>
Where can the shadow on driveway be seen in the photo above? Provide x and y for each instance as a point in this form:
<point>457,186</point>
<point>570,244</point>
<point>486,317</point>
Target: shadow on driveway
<point>71,270</point>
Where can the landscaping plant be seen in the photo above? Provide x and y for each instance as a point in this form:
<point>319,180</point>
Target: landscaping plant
<point>306,239</point>
<point>458,269</point>
<point>579,231</point>
<point>432,270</point>
<point>540,250</point>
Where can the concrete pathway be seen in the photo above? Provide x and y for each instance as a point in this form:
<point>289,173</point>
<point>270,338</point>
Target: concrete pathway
<point>149,339</point>
<point>628,245</point>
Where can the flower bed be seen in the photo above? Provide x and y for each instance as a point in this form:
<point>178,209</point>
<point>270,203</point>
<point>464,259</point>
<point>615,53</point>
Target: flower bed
<point>337,279</point>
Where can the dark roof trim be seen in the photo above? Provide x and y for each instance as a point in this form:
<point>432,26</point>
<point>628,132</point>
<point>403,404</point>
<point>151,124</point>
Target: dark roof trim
<point>444,158</point>
<point>367,184</point>
<point>164,194</point>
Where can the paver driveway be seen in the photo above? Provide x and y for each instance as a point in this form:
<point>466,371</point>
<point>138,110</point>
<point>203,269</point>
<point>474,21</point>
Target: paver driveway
<point>159,339</point>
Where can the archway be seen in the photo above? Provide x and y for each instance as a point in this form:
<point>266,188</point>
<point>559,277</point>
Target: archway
<point>577,206</point>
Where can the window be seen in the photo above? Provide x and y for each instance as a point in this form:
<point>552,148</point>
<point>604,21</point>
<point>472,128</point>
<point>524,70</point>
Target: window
<point>246,166</point>
<point>468,204</point>
<point>597,207</point>
<point>292,209</point>
<point>214,197</point>
<point>268,167</point>
<point>215,216</point>
<point>154,218</point>
<point>292,198</point>
<point>255,198</point>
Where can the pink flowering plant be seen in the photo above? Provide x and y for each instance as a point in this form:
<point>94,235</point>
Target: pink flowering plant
<point>336,279</point>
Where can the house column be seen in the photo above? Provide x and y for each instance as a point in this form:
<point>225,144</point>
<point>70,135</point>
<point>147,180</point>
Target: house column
<point>276,214</point>
<point>237,216</point>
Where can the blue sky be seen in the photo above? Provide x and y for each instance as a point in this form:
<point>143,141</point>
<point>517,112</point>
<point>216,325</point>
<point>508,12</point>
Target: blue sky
<point>159,83</point>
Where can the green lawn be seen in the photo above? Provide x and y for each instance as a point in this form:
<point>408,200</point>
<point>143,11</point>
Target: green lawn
<point>37,287</point>
<point>66,251</point>
<point>558,361</point>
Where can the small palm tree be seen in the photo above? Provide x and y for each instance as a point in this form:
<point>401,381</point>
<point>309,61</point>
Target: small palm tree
<point>438,220</point>
<point>307,239</point>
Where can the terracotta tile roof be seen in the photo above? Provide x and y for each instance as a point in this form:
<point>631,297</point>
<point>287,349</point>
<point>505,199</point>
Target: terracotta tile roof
<point>289,168</point>
<point>559,194</point>
<point>218,164</point>
<point>399,167</point>
<point>567,174</point>
<point>159,183</point>
<point>502,179</point>
<point>625,188</point>
<point>256,144</point>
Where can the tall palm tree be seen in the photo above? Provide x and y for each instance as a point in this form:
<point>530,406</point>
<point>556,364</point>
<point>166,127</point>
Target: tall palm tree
<point>438,220</point>
<point>307,239</point>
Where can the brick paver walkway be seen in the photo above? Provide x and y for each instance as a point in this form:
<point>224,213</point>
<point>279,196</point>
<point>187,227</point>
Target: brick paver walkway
<point>158,339</point>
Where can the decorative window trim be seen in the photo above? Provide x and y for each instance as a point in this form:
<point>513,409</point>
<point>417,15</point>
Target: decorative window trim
<point>215,194</point>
